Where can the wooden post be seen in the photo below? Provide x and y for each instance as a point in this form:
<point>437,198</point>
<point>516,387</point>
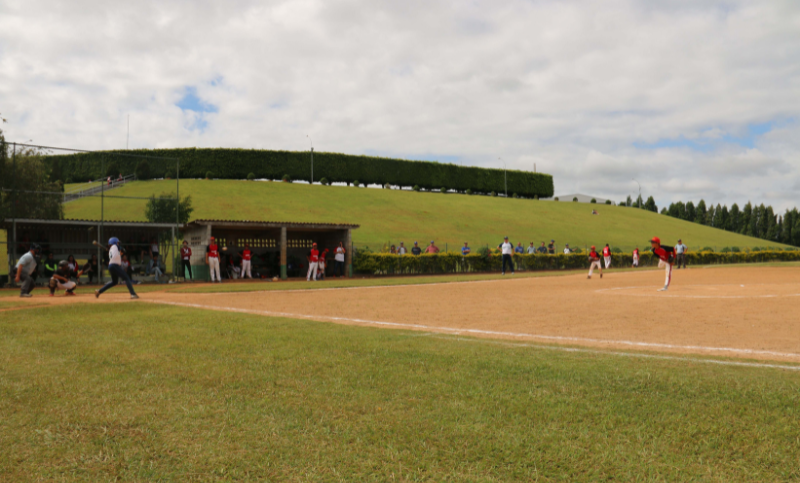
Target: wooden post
<point>348,260</point>
<point>283,253</point>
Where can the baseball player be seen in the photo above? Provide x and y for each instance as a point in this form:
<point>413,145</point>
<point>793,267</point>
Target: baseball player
<point>607,255</point>
<point>246,256</point>
<point>635,257</point>
<point>594,258</point>
<point>666,257</point>
<point>26,266</point>
<point>60,279</point>
<point>212,260</point>
<point>115,269</point>
<point>507,250</point>
<point>313,260</point>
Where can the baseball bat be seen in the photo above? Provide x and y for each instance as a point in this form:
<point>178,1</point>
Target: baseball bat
<point>100,245</point>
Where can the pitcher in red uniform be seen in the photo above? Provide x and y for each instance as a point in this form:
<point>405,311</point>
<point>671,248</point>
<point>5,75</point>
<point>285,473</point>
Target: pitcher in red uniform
<point>246,256</point>
<point>666,257</point>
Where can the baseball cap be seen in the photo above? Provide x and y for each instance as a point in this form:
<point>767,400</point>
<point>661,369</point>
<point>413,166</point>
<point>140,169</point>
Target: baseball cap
<point>551,241</point>
<point>213,238</point>
<point>656,239</point>
<point>314,244</point>
<point>680,240</point>
<point>593,247</point>
<point>415,243</point>
<point>505,238</point>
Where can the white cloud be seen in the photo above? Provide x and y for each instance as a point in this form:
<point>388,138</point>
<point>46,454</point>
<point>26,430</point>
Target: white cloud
<point>594,92</point>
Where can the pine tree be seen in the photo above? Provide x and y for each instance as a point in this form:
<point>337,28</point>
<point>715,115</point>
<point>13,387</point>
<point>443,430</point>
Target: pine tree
<point>735,219</point>
<point>700,213</point>
<point>744,224</point>
<point>628,202</point>
<point>650,205</point>
<point>768,224</point>
<point>724,218</point>
<point>691,212</point>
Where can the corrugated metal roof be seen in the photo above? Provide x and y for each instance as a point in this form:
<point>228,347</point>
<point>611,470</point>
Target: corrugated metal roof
<point>282,223</point>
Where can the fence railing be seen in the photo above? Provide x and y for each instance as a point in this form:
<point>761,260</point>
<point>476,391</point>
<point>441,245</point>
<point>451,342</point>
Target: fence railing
<point>104,185</point>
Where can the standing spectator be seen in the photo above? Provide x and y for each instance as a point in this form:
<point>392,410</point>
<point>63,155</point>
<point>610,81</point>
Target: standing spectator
<point>393,250</point>
<point>416,250</point>
<point>465,250</point>
<point>607,255</point>
<point>50,265</point>
<point>401,250</point>
<point>519,249</point>
<point>432,248</point>
<point>507,249</point>
<point>73,266</point>
<point>338,259</point>
<point>594,260</point>
<point>313,260</point>
<point>551,248</point>
<point>186,260</point>
<point>212,260</point>
<point>25,266</point>
<point>542,249</point>
<point>567,251</point>
<point>247,255</point>
<point>531,249</point>
<point>680,249</point>
<point>92,269</point>
<point>635,257</point>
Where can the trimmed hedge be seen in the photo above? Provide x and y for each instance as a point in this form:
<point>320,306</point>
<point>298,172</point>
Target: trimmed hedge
<point>344,168</point>
<point>451,262</point>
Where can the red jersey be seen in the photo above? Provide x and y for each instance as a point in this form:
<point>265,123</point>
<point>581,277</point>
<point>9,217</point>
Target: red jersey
<point>636,253</point>
<point>213,251</point>
<point>593,256</point>
<point>664,253</point>
<point>246,254</point>
<point>606,252</point>
<point>314,255</point>
<point>186,253</point>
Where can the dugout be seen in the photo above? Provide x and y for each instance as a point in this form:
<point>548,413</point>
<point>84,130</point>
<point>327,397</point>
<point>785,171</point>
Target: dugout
<point>75,237</point>
<point>279,248</point>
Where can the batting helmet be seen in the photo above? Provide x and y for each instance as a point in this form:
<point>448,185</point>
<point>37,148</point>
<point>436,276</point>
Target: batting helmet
<point>113,241</point>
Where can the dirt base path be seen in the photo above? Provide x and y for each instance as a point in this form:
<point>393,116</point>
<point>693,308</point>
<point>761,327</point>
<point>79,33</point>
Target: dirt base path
<point>727,311</point>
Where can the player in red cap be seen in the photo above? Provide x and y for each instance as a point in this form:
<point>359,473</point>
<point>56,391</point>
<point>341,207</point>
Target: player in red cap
<point>594,258</point>
<point>666,257</point>
<point>212,260</point>
<point>313,260</point>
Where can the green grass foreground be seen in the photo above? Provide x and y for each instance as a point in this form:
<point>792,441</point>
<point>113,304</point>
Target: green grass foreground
<point>154,393</point>
<point>394,216</point>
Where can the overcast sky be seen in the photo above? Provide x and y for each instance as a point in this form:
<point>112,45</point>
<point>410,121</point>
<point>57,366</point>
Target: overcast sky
<point>692,98</point>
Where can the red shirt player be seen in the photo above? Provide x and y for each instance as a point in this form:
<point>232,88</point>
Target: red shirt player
<point>212,260</point>
<point>594,260</point>
<point>247,255</point>
<point>313,259</point>
<point>666,257</point>
<point>635,257</point>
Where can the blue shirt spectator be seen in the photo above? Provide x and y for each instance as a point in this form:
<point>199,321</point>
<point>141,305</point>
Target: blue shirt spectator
<point>465,249</point>
<point>519,248</point>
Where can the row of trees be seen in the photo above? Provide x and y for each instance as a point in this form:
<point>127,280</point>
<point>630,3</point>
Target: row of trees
<point>758,221</point>
<point>25,187</point>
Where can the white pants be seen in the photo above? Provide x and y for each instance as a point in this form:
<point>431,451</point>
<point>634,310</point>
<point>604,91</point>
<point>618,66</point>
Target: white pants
<point>320,270</point>
<point>593,265</point>
<point>608,261</point>
<point>213,267</point>
<point>312,269</point>
<point>668,277</point>
<point>65,285</point>
<point>635,261</point>
<point>246,269</point>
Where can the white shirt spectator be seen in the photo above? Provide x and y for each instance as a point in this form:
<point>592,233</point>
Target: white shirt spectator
<point>566,251</point>
<point>507,248</point>
<point>680,248</point>
<point>339,257</point>
<point>531,250</point>
<point>401,250</point>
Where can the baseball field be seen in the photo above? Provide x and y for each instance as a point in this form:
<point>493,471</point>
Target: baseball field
<point>547,376</point>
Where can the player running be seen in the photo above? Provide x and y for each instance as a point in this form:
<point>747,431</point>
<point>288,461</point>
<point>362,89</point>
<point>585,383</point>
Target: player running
<point>594,258</point>
<point>60,279</point>
<point>635,257</point>
<point>666,257</point>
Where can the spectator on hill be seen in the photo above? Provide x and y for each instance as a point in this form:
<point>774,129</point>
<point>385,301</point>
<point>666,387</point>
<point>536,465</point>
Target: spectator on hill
<point>416,250</point>
<point>551,248</point>
<point>507,249</point>
<point>542,249</point>
<point>50,265</point>
<point>681,250</point>
<point>432,248</point>
<point>338,259</point>
<point>567,251</point>
<point>401,250</point>
<point>519,249</point>
<point>92,269</point>
<point>465,250</point>
<point>531,249</point>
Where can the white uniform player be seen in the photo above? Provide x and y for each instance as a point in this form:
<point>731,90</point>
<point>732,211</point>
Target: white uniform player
<point>246,256</point>
<point>313,258</point>
<point>212,260</point>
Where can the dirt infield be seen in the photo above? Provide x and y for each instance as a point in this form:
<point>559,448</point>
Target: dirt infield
<point>736,312</point>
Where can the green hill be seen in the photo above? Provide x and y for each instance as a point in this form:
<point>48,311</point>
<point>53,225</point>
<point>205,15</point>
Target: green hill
<point>393,216</point>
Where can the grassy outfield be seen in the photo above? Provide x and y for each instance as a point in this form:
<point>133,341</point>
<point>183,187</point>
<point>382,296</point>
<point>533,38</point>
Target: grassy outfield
<point>394,216</point>
<point>163,393</point>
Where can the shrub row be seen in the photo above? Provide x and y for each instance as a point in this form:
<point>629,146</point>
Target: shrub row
<point>238,163</point>
<point>387,264</point>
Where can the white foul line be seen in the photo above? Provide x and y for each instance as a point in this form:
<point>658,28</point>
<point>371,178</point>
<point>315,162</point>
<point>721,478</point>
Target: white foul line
<point>642,345</point>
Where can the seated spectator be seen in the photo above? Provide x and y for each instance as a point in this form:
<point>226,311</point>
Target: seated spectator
<point>73,267</point>
<point>567,251</point>
<point>594,212</point>
<point>551,248</point>
<point>154,268</point>
<point>126,265</point>
<point>91,269</point>
<point>416,250</point>
<point>432,248</point>
<point>531,249</point>
<point>519,249</point>
<point>393,250</point>
<point>542,249</point>
<point>50,266</point>
<point>465,250</point>
<point>401,250</point>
